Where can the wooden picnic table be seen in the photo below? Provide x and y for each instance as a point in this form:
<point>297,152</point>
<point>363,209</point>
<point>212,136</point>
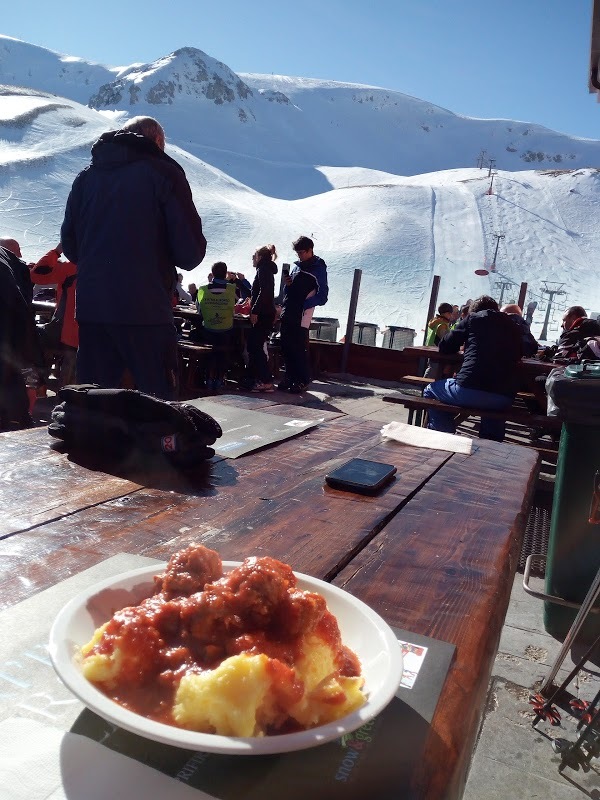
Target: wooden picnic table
<point>434,553</point>
<point>530,367</point>
<point>189,313</point>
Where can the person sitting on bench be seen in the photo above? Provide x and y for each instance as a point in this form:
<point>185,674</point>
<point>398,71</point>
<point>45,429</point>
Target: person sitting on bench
<point>577,328</point>
<point>215,303</point>
<point>488,376</point>
<point>530,344</point>
<point>437,328</point>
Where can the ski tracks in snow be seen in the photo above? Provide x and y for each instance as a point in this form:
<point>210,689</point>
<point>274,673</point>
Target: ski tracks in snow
<point>537,245</point>
<point>458,246</point>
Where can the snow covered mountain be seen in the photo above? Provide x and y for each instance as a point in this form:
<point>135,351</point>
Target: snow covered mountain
<point>214,113</point>
<point>380,180</point>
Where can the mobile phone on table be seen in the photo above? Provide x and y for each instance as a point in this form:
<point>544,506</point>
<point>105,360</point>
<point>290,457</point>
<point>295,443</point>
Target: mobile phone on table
<point>360,475</point>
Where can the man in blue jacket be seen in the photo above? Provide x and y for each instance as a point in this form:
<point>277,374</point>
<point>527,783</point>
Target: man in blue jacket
<point>309,262</point>
<point>130,221</point>
<point>298,378</point>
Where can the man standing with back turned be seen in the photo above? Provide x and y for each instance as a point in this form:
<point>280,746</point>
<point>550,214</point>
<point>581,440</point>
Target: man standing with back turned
<point>130,222</point>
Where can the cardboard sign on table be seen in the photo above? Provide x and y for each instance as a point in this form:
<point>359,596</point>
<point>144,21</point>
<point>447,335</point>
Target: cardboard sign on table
<point>245,430</point>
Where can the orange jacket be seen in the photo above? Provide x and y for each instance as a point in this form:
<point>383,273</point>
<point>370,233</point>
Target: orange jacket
<point>50,270</point>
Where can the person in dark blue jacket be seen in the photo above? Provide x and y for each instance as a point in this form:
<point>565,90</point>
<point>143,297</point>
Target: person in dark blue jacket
<point>301,285</point>
<point>130,221</point>
<point>313,265</point>
<point>488,375</point>
<point>309,262</point>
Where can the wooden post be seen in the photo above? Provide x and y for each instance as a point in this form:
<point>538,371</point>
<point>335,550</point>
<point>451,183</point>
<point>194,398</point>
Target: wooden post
<point>435,288</point>
<point>522,293</point>
<point>422,366</point>
<point>351,318</point>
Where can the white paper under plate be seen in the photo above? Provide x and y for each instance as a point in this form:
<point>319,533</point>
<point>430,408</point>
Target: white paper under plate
<point>363,631</point>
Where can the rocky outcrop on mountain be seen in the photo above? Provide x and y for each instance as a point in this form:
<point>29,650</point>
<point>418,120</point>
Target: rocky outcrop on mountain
<point>186,73</point>
<point>274,96</point>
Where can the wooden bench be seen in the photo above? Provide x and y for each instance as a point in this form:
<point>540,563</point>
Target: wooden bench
<point>192,359</point>
<point>518,415</point>
<point>420,382</point>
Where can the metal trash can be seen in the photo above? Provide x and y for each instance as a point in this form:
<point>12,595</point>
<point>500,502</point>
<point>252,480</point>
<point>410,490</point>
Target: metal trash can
<point>324,328</point>
<point>365,333</point>
<point>397,338</point>
<point>574,545</point>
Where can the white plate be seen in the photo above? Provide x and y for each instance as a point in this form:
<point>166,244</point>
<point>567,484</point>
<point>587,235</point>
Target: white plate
<point>363,631</point>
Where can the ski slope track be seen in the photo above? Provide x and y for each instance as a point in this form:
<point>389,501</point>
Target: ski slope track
<point>380,180</point>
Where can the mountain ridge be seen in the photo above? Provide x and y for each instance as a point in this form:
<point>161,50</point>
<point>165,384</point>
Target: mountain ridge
<point>273,117</point>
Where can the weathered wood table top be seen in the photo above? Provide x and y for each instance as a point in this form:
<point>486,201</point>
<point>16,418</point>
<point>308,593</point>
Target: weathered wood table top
<point>434,553</point>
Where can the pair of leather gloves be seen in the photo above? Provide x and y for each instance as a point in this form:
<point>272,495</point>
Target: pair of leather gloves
<point>122,422</point>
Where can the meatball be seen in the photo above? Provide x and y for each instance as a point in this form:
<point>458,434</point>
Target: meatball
<point>210,616</point>
<point>301,613</point>
<point>188,571</point>
<point>247,599</point>
<point>260,586</point>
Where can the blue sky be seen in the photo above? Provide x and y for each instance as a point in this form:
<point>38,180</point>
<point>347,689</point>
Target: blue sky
<point>518,59</point>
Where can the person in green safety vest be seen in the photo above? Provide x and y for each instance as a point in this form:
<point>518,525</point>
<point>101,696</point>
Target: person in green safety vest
<point>215,303</point>
<point>437,328</point>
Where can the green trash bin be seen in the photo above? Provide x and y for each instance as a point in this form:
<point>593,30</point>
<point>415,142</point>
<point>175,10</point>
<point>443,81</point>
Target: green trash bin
<point>574,546</point>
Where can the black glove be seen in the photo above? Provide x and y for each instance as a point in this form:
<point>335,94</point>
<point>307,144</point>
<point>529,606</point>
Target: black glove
<point>118,422</point>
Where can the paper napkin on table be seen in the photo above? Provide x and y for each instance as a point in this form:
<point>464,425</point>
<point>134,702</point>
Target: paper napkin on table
<point>39,762</point>
<point>425,437</point>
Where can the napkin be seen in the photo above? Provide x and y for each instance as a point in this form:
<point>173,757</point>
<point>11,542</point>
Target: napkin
<point>425,437</point>
<point>39,762</point>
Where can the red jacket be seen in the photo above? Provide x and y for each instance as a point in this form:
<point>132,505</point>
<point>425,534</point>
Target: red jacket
<point>49,270</point>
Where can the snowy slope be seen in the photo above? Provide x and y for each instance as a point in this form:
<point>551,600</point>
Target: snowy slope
<point>23,64</point>
<point>343,190</point>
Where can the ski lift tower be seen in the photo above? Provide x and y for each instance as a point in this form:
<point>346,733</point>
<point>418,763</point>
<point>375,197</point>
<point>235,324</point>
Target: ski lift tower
<point>498,237</point>
<point>484,270</point>
<point>557,291</point>
<point>501,286</point>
